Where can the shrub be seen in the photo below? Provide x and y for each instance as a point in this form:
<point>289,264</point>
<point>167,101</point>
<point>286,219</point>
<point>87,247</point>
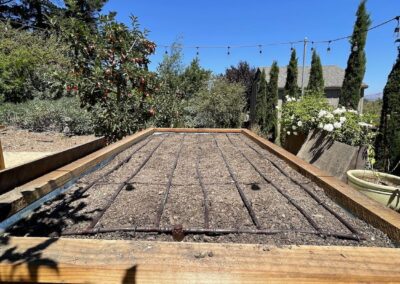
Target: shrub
<point>64,114</point>
<point>313,112</point>
<point>220,105</point>
<point>31,65</point>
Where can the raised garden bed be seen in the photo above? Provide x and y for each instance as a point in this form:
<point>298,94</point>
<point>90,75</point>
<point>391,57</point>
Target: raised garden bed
<point>213,187</point>
<point>269,217</point>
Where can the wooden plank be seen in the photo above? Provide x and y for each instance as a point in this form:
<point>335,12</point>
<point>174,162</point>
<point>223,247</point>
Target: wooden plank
<point>15,200</point>
<point>360,205</point>
<point>2,164</point>
<point>110,261</point>
<point>16,176</point>
<point>199,130</point>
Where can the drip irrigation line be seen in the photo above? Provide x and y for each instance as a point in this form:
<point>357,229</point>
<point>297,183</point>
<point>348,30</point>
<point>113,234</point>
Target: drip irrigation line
<point>288,198</point>
<point>202,185</point>
<point>239,188</point>
<point>306,188</point>
<point>211,232</point>
<point>97,218</point>
<point>170,177</point>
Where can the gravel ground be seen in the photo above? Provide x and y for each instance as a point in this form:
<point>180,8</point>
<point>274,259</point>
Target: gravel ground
<point>138,205</point>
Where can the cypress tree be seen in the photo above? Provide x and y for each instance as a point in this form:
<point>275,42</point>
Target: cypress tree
<point>387,144</point>
<point>355,70</point>
<point>271,117</point>
<point>291,88</point>
<point>316,81</point>
<point>261,100</point>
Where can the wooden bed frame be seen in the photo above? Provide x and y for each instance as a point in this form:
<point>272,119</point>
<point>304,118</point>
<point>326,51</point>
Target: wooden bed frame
<point>63,260</point>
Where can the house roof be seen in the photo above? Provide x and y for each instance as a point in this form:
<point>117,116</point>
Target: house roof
<point>333,76</point>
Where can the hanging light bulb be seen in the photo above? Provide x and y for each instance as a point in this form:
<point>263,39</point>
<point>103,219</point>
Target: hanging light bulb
<point>197,51</point>
<point>229,50</point>
<point>260,49</point>
<point>312,46</point>
<point>166,50</point>
<point>291,46</point>
<point>329,47</point>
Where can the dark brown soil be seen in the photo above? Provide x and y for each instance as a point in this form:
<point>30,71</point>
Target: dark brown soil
<point>139,205</point>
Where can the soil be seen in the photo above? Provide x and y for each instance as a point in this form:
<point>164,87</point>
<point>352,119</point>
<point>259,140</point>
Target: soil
<point>139,205</point>
<point>21,140</point>
<point>380,181</point>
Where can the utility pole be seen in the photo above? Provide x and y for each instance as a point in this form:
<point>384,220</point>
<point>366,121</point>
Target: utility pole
<point>304,62</point>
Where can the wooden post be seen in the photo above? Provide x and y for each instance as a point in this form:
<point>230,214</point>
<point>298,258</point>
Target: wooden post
<point>2,164</point>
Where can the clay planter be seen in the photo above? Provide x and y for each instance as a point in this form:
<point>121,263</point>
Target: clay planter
<point>386,195</point>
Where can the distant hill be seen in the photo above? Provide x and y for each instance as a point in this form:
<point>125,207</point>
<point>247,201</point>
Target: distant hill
<point>373,97</point>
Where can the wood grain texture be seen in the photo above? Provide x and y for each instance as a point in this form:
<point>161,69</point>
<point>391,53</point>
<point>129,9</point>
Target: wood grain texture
<point>360,205</point>
<point>109,261</point>
<point>199,130</point>
<point>14,200</point>
<point>2,164</point>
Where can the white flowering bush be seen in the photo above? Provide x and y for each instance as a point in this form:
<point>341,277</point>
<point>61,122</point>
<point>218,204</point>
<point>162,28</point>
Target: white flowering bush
<point>314,112</point>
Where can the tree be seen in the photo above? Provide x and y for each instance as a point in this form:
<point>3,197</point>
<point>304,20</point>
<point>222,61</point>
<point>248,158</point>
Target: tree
<point>261,100</point>
<point>243,74</point>
<point>291,88</point>
<point>316,81</point>
<point>194,78</point>
<point>355,70</point>
<point>387,145</point>
<point>110,74</point>
<point>271,117</point>
<point>84,10</point>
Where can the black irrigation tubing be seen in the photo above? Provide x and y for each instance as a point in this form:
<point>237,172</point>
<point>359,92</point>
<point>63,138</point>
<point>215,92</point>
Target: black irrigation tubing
<point>239,188</point>
<point>97,218</point>
<point>177,184</point>
<point>306,189</point>
<point>209,232</point>
<point>203,187</point>
<point>292,201</point>
<point>168,187</point>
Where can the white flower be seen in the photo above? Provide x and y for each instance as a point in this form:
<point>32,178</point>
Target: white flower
<point>320,125</point>
<point>294,133</point>
<point>342,119</point>
<point>353,111</point>
<point>292,117</point>
<point>339,111</point>
<point>328,127</point>
<point>277,107</point>
<point>312,119</point>
<point>365,124</point>
<point>322,113</point>
<point>337,125</point>
<point>329,115</point>
<point>299,123</point>
<point>288,133</point>
<point>294,127</point>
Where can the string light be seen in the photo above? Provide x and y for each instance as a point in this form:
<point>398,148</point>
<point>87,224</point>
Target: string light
<point>229,50</point>
<point>260,49</point>
<point>329,47</point>
<point>197,51</point>
<point>312,46</point>
<point>397,28</point>
<point>291,46</point>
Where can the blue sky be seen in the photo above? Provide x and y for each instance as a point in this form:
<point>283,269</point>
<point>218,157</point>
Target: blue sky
<point>251,22</point>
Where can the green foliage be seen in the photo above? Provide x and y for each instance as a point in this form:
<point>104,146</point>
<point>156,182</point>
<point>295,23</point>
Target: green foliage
<point>220,105</point>
<point>63,114</point>
<point>271,114</point>
<point>31,65</point>
<point>261,100</point>
<point>110,74</point>
<point>355,70</point>
<point>291,88</point>
<point>194,78</point>
<point>387,144</point>
<point>243,74</point>
<point>373,108</point>
<point>316,81</point>
<point>314,112</point>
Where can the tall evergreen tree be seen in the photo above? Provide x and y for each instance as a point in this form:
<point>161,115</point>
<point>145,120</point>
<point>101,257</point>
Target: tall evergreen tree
<point>271,117</point>
<point>194,78</point>
<point>387,144</point>
<point>261,100</point>
<point>355,70</point>
<point>242,73</point>
<point>291,88</point>
<point>85,10</point>
<point>316,81</point>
